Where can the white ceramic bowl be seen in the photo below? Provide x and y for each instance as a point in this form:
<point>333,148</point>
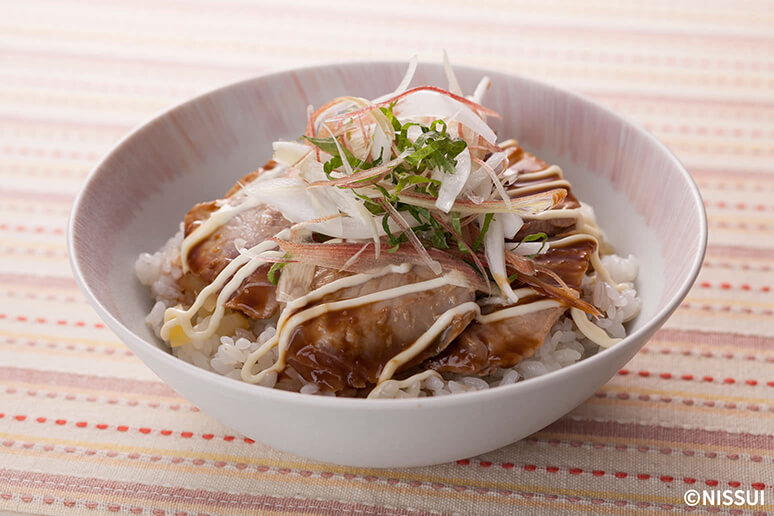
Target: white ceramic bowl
<point>136,197</point>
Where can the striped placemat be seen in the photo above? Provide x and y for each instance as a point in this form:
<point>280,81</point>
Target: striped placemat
<point>86,428</point>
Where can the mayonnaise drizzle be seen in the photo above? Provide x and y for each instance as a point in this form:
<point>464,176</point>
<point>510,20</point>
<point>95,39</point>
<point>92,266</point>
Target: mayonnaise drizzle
<point>290,318</point>
<point>593,332</point>
<point>581,224</point>
<point>207,227</point>
<point>498,300</point>
<point>539,187</point>
<point>300,302</point>
<point>553,170</point>
<point>518,310</point>
<point>595,260</point>
<point>240,267</point>
<point>425,339</point>
<point>222,215</point>
<point>286,327</point>
<point>402,384</point>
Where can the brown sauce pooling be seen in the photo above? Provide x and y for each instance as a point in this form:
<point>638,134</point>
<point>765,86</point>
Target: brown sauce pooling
<point>525,163</point>
<point>569,262</point>
<point>483,347</point>
<point>256,296</point>
<point>349,348</point>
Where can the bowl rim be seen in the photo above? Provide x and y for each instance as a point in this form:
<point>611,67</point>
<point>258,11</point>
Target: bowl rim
<point>346,403</point>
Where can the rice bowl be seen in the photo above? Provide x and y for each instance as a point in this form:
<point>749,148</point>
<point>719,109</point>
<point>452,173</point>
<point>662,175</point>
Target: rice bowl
<point>132,203</point>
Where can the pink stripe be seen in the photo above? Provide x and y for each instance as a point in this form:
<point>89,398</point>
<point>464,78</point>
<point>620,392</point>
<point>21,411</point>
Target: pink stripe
<point>720,380</point>
<point>674,449</point>
<point>673,435</point>
<point>158,493</point>
<point>732,174</point>
<point>25,294</point>
<point>31,229</point>
<point>712,264</point>
<point>91,398</point>
<point>49,153</point>
<point>115,353</point>
<point>51,53</point>
<point>8,193</point>
<point>113,59</point>
<point>738,251</point>
<point>739,206</point>
<point>734,309</point>
<point>29,319</point>
<point>33,252</point>
<point>84,381</point>
<point>749,356</point>
<point>681,100</point>
<point>64,282</point>
<point>715,338</point>
<point>734,185</point>
<point>742,226</point>
<point>724,285</point>
<point>611,393</point>
<point>73,122</point>
<point>442,18</point>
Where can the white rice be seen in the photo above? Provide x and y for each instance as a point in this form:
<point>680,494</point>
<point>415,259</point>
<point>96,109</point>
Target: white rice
<point>564,345</point>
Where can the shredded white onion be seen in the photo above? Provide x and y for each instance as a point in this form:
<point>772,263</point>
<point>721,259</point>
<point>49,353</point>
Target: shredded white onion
<point>452,184</point>
<point>496,182</point>
<point>478,93</point>
<point>381,144</point>
<point>404,83</point>
<point>494,249</point>
<point>454,85</point>
<point>427,103</point>
<point>512,223</point>
<point>412,237</point>
<point>289,153</point>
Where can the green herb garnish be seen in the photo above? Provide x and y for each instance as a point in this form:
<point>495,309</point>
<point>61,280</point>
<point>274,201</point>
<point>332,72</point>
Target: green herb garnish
<point>273,270</point>
<point>534,238</point>
<point>484,228</point>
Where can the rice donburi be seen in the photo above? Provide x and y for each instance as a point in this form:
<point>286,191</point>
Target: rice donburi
<point>398,248</point>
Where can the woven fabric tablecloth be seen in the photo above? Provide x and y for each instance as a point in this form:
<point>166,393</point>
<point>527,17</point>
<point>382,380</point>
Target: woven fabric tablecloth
<point>86,428</point>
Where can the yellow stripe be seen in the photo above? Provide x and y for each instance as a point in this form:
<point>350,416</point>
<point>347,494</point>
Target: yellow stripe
<point>652,443</point>
<point>706,146</point>
<point>108,394</point>
<point>711,396</point>
<point>747,217</point>
<point>682,310</point>
<point>72,340</point>
<point>56,290</point>
<point>680,407</point>
<point>373,486</point>
<point>739,259</point>
<point>36,244</point>
<point>74,166</point>
<point>653,14</point>
<point>86,355</point>
<point>729,301</point>
<point>664,343</point>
